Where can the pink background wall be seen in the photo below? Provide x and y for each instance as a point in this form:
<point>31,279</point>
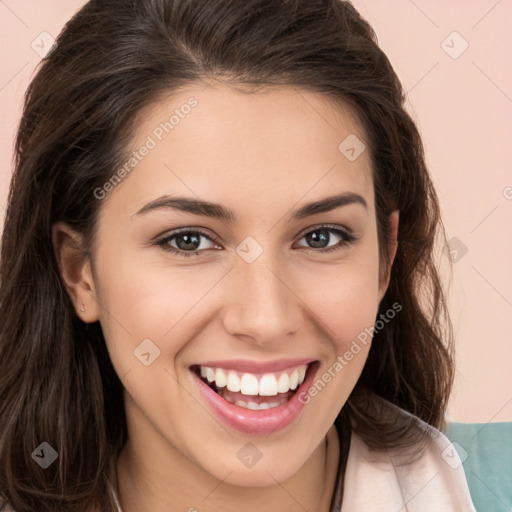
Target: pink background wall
<point>460,92</point>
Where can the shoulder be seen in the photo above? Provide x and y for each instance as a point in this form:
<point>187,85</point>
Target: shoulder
<point>428,477</point>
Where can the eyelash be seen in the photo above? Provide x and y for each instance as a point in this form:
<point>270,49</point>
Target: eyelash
<point>347,239</point>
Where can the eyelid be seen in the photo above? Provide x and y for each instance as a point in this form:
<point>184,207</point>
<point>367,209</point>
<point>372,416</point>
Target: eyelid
<point>192,229</point>
<point>336,227</point>
<point>346,235</point>
<point>163,240</point>
<point>207,234</point>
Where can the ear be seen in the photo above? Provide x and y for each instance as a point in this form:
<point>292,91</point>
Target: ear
<point>75,270</point>
<point>392,248</point>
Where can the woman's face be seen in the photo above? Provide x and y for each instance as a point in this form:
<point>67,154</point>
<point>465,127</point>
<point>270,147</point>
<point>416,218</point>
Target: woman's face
<point>254,299</point>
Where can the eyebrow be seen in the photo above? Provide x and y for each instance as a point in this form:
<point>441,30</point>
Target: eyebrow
<point>217,211</point>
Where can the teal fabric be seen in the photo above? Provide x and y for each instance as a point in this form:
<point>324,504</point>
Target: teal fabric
<point>486,453</point>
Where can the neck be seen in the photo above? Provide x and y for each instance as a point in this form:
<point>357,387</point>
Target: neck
<point>152,484</point>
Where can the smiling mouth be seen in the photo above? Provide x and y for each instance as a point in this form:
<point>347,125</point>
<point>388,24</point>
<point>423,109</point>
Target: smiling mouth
<point>250,390</point>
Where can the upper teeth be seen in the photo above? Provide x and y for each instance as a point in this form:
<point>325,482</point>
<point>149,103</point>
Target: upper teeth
<point>268,384</point>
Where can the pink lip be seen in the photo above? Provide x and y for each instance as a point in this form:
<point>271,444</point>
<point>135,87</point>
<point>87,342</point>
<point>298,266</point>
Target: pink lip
<point>263,421</point>
<point>245,365</point>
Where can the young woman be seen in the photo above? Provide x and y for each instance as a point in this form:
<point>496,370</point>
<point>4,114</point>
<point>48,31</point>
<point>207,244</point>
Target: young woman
<point>217,279</point>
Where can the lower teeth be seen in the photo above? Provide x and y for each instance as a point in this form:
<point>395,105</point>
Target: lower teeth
<point>253,405</point>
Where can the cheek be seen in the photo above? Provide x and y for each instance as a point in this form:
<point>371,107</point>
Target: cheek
<point>344,302</point>
<point>344,298</point>
<point>142,299</point>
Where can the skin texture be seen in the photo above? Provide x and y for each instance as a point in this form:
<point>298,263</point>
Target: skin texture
<point>263,155</point>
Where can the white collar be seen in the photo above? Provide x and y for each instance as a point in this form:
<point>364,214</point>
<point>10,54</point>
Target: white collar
<point>388,481</point>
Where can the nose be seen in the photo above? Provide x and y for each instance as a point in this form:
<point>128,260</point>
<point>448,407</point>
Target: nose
<point>261,304</point>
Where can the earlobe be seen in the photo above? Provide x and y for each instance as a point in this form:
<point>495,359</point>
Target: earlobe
<point>392,249</point>
<point>75,271</point>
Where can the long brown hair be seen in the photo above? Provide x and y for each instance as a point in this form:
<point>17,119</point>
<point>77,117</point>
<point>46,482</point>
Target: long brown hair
<point>112,60</point>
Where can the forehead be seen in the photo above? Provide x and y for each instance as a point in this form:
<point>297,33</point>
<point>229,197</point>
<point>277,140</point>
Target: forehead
<point>216,142</point>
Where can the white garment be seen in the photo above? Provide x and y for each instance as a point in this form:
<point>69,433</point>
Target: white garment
<point>435,482</point>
